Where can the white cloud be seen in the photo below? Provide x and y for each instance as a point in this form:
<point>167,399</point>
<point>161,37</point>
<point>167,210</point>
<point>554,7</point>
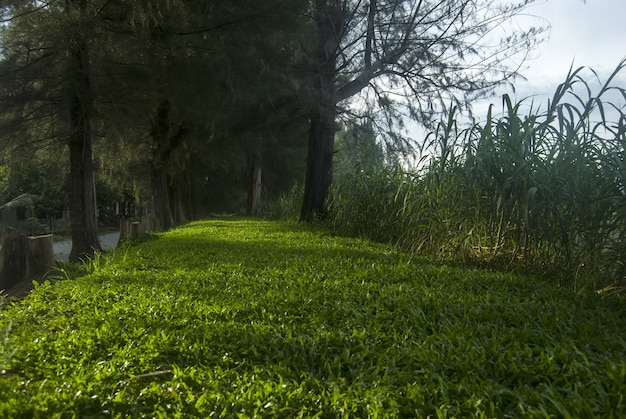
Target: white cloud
<point>587,33</point>
<point>590,33</point>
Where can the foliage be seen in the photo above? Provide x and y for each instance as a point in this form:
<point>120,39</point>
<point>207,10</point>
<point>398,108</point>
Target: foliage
<point>231,317</point>
<point>357,149</point>
<point>45,182</point>
<point>4,180</point>
<point>424,54</point>
<point>287,206</point>
<point>26,201</point>
<point>24,205</point>
<point>397,58</point>
<point>541,192</point>
<point>220,74</point>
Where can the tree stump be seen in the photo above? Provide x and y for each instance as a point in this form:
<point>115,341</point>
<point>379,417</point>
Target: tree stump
<point>41,255</point>
<point>131,230</point>
<point>23,258</point>
<point>12,258</point>
<point>135,230</point>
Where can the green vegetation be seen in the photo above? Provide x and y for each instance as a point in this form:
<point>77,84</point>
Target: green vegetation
<point>541,191</point>
<point>232,317</point>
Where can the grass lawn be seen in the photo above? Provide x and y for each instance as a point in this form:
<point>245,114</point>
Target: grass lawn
<point>235,317</point>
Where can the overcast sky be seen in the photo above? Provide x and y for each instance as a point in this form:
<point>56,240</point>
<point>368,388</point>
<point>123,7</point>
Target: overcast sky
<point>589,33</point>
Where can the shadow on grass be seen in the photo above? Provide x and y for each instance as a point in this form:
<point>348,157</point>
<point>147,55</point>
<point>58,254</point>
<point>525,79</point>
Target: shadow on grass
<point>237,307</point>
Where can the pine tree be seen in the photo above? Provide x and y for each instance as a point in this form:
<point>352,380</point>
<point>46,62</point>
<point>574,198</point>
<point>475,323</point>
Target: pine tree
<point>413,53</point>
<point>48,98</point>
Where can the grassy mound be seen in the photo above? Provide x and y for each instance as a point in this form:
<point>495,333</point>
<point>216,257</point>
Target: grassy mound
<point>253,318</point>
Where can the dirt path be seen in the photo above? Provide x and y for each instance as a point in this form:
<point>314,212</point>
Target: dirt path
<point>108,241</point>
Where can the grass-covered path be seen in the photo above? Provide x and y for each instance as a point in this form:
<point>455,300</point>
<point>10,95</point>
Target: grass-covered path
<point>256,318</point>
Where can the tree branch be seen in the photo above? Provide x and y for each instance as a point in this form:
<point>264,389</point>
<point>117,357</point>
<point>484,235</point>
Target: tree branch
<point>26,13</point>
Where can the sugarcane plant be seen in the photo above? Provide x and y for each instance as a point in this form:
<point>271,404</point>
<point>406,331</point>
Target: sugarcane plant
<point>539,189</point>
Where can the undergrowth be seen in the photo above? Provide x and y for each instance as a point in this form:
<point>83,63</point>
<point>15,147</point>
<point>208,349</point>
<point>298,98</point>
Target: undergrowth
<point>242,318</point>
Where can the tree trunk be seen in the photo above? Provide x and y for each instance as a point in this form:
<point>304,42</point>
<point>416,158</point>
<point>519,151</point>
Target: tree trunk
<point>160,197</point>
<point>82,191</point>
<point>164,142</point>
<point>321,146</point>
<point>131,230</point>
<point>13,258</point>
<point>40,256</point>
<point>82,206</point>
<point>254,189</point>
<point>178,204</point>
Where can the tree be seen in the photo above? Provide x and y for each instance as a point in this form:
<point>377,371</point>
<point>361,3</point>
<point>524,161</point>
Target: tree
<point>357,150</point>
<point>80,97</point>
<point>175,97</point>
<point>199,91</point>
<point>416,54</point>
<point>48,95</point>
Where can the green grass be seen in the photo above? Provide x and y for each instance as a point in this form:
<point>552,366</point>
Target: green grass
<point>251,318</point>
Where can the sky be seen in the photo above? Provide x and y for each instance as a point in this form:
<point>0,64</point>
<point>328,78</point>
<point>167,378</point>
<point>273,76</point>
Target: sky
<point>589,33</point>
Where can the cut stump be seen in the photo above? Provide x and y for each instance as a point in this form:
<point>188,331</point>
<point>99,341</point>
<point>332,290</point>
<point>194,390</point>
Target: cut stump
<point>23,258</point>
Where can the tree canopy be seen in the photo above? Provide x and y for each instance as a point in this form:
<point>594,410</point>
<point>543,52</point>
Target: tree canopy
<point>412,55</point>
<point>175,102</point>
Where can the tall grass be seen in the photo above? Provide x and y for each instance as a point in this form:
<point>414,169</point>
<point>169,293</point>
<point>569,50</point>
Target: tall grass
<point>287,206</point>
<point>541,191</point>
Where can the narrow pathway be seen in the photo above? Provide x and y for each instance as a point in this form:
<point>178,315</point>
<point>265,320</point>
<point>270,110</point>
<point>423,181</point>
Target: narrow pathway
<point>108,241</point>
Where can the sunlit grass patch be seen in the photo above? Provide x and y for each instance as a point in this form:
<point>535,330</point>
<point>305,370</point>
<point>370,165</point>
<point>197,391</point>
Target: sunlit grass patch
<point>244,317</point>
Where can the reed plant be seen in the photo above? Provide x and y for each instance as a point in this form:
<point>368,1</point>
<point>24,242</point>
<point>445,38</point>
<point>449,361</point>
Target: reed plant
<point>541,191</point>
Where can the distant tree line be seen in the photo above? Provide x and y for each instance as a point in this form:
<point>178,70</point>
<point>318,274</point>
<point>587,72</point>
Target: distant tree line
<point>178,103</point>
